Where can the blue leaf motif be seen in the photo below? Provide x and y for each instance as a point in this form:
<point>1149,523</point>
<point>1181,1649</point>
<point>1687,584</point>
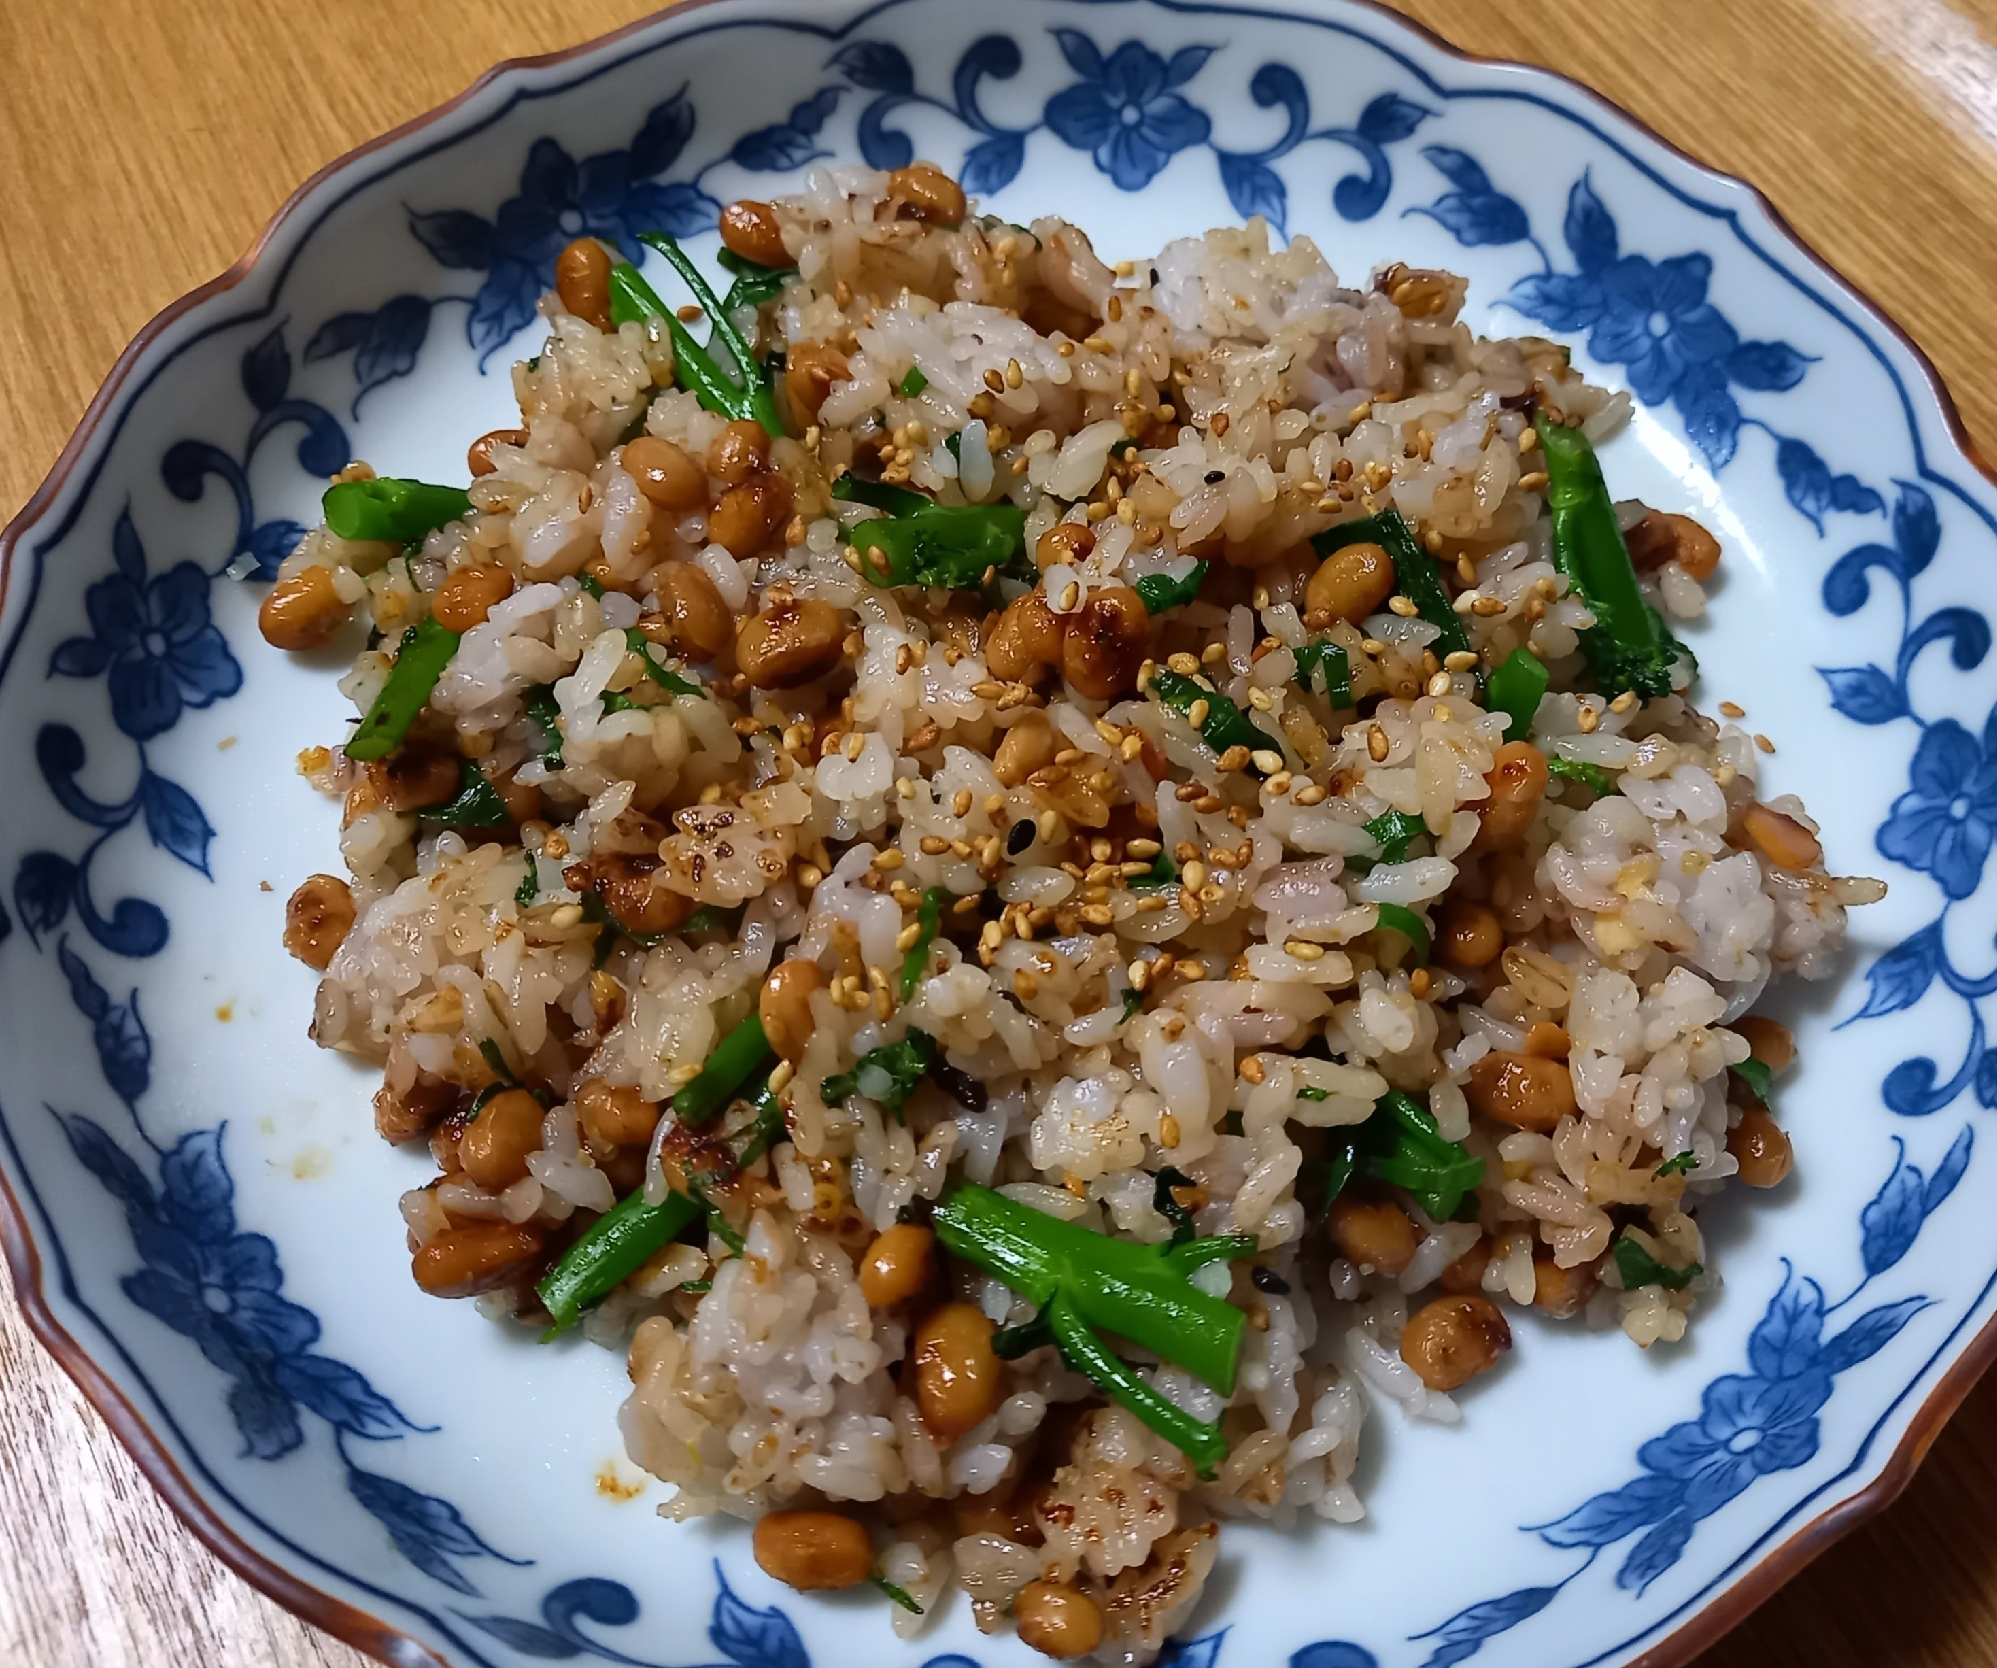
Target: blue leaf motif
<point>876,66</point>
<point>1847,587</point>
<point>528,1638</point>
<point>79,657</point>
<point>610,1603</point>
<point>1390,117</point>
<point>788,144</point>
<point>1864,694</point>
<point>197,1196</point>
<point>1655,1553</point>
<point>91,998</point>
<point>1590,230</point>
<point>1986,1078</point>
<point>1607,1518</point>
<point>992,164</point>
<point>1185,64</point>
<point>1334,1653</point>
<point>266,1419</point>
<point>1478,221</point>
<point>271,542</point>
<point>1900,977</point>
<point>1967,632</point>
<point>751,1637</point>
<point>1909,1088</point>
<point>1081,52</point>
<point>658,143</point>
<point>1870,1333</point>
<point>1766,367</point>
<point>503,306</point>
<point>109,1163</point>
<point>394,337</point>
<point>1464,1634</point>
<point>42,888</point>
<point>1202,1652</point>
<point>267,370</point>
<point>126,550</point>
<point>1253,187</point>
<point>676,207</point>
<point>1460,168</point>
<point>1787,1339</point>
<point>1917,529</point>
<point>175,820</point>
<point>1892,1220</point>
<point>340,1396</point>
<point>1558,300</point>
<point>456,238</point>
<point>124,1051</point>
<point>1942,1183</point>
<point>809,115</point>
<point>1711,414</point>
<point>427,1531</point>
<point>1810,486</point>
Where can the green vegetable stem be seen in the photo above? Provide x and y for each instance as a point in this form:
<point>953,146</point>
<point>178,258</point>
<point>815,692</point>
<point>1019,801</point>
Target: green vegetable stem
<point>1628,646</point>
<point>938,544</point>
<point>1416,576</point>
<point>1224,725</point>
<point>613,1249</point>
<point>392,511</point>
<point>1515,689</point>
<point>1330,665</point>
<point>426,651</point>
<point>928,922</point>
<point>1395,830</point>
<point>475,805</point>
<point>1083,1281</point>
<point>1398,918</point>
<point>631,297</point>
<point>734,1061</point>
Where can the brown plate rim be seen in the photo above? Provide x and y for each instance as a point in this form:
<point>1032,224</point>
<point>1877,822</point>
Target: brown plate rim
<point>388,1643</point>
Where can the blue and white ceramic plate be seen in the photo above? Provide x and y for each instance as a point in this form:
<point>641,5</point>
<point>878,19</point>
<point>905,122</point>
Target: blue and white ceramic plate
<point>201,1221</point>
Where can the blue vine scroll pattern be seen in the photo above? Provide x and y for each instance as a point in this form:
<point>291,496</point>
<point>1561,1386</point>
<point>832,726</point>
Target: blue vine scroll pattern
<point>222,1287</point>
<point>159,652</point>
<point>1127,108</point>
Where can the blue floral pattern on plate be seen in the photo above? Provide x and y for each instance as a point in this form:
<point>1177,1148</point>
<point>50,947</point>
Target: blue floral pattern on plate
<point>1134,108</point>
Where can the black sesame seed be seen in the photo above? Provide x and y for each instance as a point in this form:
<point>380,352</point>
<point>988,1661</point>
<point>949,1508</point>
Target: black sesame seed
<point>1154,275</point>
<point>1021,835</point>
<point>1216,476</point>
<point>1268,1280</point>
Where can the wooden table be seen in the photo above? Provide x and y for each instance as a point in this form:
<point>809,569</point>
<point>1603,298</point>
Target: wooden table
<point>142,147</point>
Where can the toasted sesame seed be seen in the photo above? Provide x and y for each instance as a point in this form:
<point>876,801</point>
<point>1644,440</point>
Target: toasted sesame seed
<point>1440,684</point>
<point>1212,655</point>
<point>1197,713</point>
<point>933,845</point>
<point>889,859</point>
<point>1528,440</point>
<point>905,939</point>
<point>1233,759</point>
<point>1731,709</point>
<point>1403,606</point>
<point>995,381</point>
<point>1466,570</point>
<point>1533,482</point>
<point>1486,608</point>
<point>1310,794</point>
<point>1267,760</point>
<point>1462,660</point>
<point>1588,719</point>
<point>1279,784</point>
<point>1014,376</point>
<point>1376,743</point>
<point>1623,702</point>
<point>1303,949</point>
<point>1261,700</point>
<point>1252,1070</point>
<point>1764,744</point>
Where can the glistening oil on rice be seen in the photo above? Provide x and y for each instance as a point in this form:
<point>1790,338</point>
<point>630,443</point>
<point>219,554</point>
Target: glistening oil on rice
<point>1035,883</point>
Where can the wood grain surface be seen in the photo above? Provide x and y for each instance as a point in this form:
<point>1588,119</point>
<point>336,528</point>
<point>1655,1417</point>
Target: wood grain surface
<point>142,147</point>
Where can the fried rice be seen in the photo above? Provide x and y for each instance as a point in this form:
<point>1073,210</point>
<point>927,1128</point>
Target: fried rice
<point>1163,986</point>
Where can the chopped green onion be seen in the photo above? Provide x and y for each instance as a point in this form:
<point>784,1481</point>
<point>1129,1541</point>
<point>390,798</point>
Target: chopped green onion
<point>1398,918</point>
<point>1515,689</point>
<point>1639,1268</point>
<point>698,1287</point>
<point>1591,776</point>
<point>914,382</point>
<point>1133,1004</point>
<point>899,1595</point>
<point>671,682</point>
<point>1310,1091</point>
<point>1400,1144</point>
<point>1394,830</point>
<point>392,511</point>
<point>1158,592</point>
<point>1756,1075</point>
<point>546,714</point>
<point>1225,724</point>
<point>426,651</point>
<point>594,587</point>
<point>1416,576</point>
<point>1163,1202</point>
<point>1164,872</point>
<point>495,1057</point>
<point>530,884</point>
<point>476,805</point>
<point>929,920</point>
<point>1687,1160</point>
<point>879,495</point>
<point>732,1064</point>
<point>1328,662</point>
<point>712,918</point>
<point>887,1074</point>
